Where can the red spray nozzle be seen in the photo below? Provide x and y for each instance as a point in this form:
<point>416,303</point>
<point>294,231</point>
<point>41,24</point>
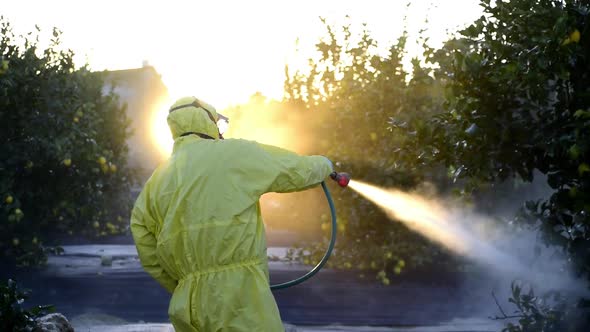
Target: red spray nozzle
<point>341,178</point>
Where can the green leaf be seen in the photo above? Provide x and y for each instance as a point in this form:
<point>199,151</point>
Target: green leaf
<point>582,114</point>
<point>583,168</point>
<point>574,152</point>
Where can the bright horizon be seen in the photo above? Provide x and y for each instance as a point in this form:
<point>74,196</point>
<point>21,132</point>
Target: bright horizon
<point>223,51</point>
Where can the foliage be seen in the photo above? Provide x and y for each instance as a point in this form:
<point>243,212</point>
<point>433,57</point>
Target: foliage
<point>13,317</point>
<point>516,101</point>
<point>549,312</point>
<point>350,94</point>
<point>63,159</point>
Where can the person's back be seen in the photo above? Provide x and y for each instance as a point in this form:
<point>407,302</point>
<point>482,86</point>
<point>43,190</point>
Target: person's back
<point>198,228</point>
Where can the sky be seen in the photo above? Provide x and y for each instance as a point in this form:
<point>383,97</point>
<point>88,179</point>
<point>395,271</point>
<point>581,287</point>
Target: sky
<point>223,51</point>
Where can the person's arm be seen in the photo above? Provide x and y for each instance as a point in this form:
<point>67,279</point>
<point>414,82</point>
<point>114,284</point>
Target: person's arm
<point>143,228</point>
<point>292,172</point>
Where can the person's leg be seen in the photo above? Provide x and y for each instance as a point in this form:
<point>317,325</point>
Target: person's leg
<point>237,300</point>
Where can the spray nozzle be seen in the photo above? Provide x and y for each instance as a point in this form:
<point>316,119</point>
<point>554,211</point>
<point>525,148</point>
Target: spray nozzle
<point>341,178</point>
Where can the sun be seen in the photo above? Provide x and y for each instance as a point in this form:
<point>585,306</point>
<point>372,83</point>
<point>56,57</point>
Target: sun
<point>160,133</point>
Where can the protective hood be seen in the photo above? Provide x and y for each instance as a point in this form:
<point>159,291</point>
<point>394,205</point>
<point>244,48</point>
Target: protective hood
<point>191,115</point>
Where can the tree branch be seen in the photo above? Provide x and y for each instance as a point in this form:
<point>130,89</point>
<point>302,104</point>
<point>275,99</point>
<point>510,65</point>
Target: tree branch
<point>504,316</point>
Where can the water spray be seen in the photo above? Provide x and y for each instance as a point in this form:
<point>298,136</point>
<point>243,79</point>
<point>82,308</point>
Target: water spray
<point>457,229</point>
<point>435,221</point>
<point>342,179</point>
<point>451,227</point>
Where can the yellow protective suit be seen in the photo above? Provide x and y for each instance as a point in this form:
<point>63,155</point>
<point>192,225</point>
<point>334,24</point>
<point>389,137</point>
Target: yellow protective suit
<point>198,229</point>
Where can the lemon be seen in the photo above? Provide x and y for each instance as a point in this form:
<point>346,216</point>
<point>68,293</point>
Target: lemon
<point>113,168</point>
<point>76,119</point>
<point>397,270</point>
<point>104,168</point>
<point>18,214</point>
<point>9,199</point>
<point>67,162</point>
<point>386,281</point>
<point>347,265</point>
<point>575,36</point>
<point>102,160</point>
<point>96,224</point>
<point>388,255</point>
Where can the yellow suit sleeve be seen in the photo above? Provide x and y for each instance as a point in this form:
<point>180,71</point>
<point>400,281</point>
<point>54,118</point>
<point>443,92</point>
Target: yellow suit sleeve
<point>293,172</point>
<point>143,229</point>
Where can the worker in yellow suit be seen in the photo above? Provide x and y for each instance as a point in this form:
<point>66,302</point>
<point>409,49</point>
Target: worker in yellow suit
<point>197,224</point>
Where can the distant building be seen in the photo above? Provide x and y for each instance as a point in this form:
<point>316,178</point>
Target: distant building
<point>144,93</point>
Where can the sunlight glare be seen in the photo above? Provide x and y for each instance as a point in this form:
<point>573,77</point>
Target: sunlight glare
<point>160,131</point>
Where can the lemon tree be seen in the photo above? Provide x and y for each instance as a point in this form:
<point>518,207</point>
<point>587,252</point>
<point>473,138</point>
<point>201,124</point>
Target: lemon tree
<point>508,96</point>
<point>517,101</point>
<point>353,97</point>
<point>505,98</point>
<point>63,159</point>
